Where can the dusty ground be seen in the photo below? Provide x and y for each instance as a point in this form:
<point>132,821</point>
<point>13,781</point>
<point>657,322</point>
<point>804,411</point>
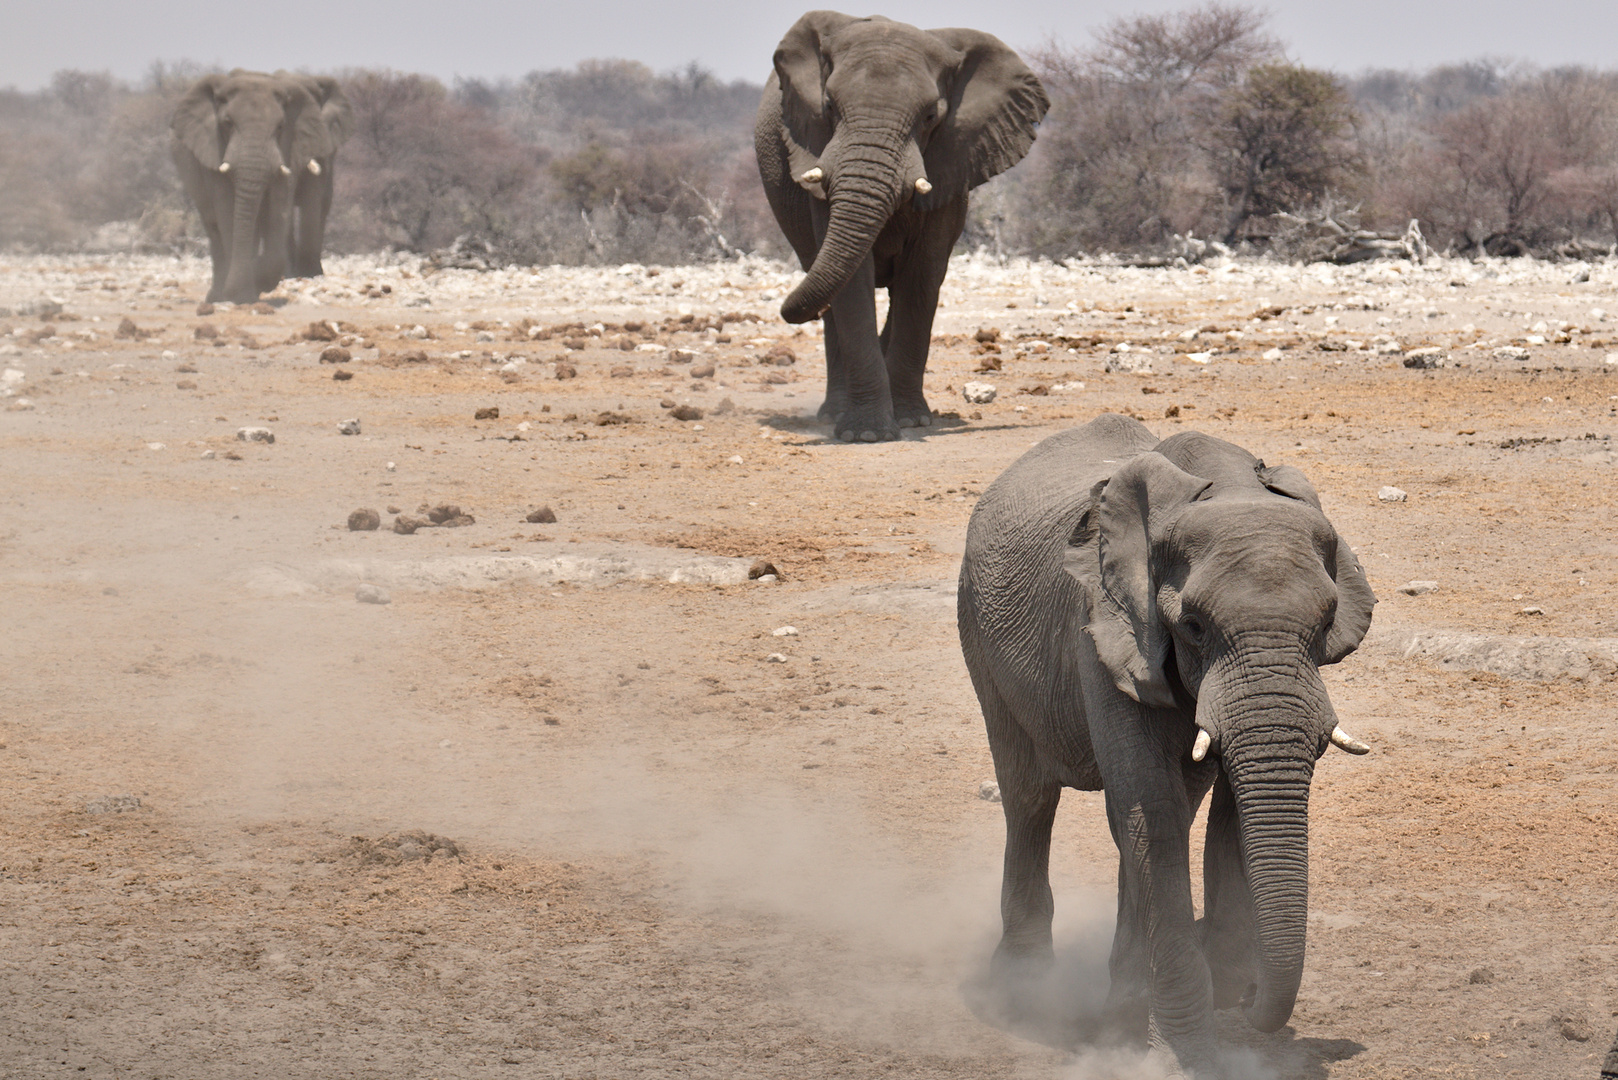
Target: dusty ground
<point>674,855</point>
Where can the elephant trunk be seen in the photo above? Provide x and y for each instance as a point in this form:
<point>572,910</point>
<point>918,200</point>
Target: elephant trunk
<point>864,183</point>
<point>1269,721</point>
<point>249,185</point>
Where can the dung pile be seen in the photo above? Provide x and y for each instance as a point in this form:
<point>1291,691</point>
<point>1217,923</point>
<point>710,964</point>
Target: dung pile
<point>396,850</point>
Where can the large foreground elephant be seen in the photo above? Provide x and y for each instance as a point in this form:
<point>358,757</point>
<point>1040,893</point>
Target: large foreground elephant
<point>1150,619</point>
<point>869,136</point>
<point>257,155</point>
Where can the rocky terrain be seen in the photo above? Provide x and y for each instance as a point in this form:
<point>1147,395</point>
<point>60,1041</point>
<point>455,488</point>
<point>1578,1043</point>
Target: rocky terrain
<point>442,673</point>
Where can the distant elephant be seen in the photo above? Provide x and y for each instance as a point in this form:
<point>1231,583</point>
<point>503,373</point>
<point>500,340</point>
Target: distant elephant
<point>1149,619</point>
<point>870,134</point>
<point>1609,1069</point>
<point>257,155</point>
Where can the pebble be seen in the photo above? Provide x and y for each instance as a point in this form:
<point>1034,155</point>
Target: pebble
<point>1134,363</point>
<point>989,791</point>
<point>348,427</point>
<point>156,446</point>
<point>335,354</point>
<point>543,516</point>
<point>208,455</point>
<point>775,658</point>
<point>686,412</point>
<point>1391,494</point>
<point>979,393</point>
<point>186,384</point>
<point>1418,588</point>
<point>702,371</point>
<point>112,804</point>
<point>785,631</point>
<point>392,466</point>
<point>1426,359</point>
<point>341,375</point>
<point>1532,610</point>
<point>490,412</point>
<point>364,520</point>
<point>405,525</point>
<point>1612,359</point>
<point>255,434</point>
<point>566,371</point>
<point>762,568</point>
<point>372,594</point>
<point>1511,352</point>
<point>1271,354</point>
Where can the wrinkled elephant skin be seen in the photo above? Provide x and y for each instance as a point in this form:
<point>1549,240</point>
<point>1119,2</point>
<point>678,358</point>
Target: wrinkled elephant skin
<point>1149,619</point>
<point>869,136</point>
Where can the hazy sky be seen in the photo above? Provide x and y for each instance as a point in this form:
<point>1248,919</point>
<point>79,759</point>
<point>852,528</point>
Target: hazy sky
<point>495,38</point>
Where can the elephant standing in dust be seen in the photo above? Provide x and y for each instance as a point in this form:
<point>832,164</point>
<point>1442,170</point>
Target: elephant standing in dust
<point>870,135</point>
<point>1150,619</point>
<point>257,155</point>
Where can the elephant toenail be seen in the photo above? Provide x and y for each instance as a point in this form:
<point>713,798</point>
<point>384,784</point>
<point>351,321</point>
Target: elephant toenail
<point>868,436</point>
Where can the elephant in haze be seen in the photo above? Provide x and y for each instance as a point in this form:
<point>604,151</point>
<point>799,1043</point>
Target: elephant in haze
<point>1149,618</point>
<point>870,135</point>
<point>257,155</point>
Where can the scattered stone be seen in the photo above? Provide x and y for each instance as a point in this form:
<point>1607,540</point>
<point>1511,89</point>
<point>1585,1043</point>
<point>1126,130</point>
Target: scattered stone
<point>205,332</point>
<point>609,418</point>
<point>989,791</point>
<point>979,393</point>
<point>262,308</point>
<point>1130,363</point>
<point>372,594</point>
<point>205,308</point>
<point>348,427</point>
<point>1512,352</point>
<point>157,446</point>
<point>443,512</point>
<point>785,631</point>
<point>566,371</point>
<point>543,516</point>
<point>989,362</point>
<point>406,526</point>
<point>208,455</point>
<point>364,520</point>
<point>724,407</point>
<point>621,371</point>
<point>1418,588</point>
<point>342,375</point>
<point>335,354</point>
<point>686,412</point>
<point>1532,610</point>
<point>1391,494</point>
<point>702,371</point>
<point>780,356</point>
<point>1426,359</point>
<point>1573,1028</point>
<point>762,568</point>
<point>1480,977</point>
<point>775,658</point>
<point>777,378</point>
<point>325,331</point>
<point>414,356</point>
<point>112,804</point>
<point>186,369</point>
<point>128,331</point>
<point>987,334</point>
<point>186,384</point>
<point>255,434</point>
<point>681,356</point>
<point>1271,354</point>
<point>411,846</point>
<point>490,412</point>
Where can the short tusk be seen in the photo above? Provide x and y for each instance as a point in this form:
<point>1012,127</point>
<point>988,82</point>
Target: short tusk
<point>224,166</point>
<point>1199,749</point>
<point>813,176</point>
<point>922,188</point>
<point>1344,741</point>
<point>286,170</point>
<point>314,167</point>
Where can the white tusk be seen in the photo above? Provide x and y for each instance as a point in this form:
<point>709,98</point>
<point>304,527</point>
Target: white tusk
<point>814,175</point>
<point>224,166</point>
<point>286,170</point>
<point>922,188</point>
<point>1344,741</point>
<point>1199,749</point>
<point>314,167</point>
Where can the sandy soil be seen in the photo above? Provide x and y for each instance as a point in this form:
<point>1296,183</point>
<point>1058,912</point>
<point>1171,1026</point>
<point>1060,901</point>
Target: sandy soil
<point>685,843</point>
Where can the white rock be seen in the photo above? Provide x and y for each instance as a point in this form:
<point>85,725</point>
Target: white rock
<point>1134,363</point>
<point>979,393</point>
<point>1532,610</point>
<point>1535,339</point>
<point>1598,314</point>
<point>650,346</point>
<point>989,791</point>
<point>1612,359</point>
<point>255,434</point>
<point>11,377</point>
<point>348,427</point>
<point>391,466</point>
<point>734,459</point>
<point>1418,588</point>
<point>1271,354</point>
<point>22,404</point>
<point>1389,348</point>
<point>156,446</point>
<point>785,631</point>
<point>535,331</point>
<point>1511,352</point>
<point>525,426</point>
<point>168,354</point>
<point>208,455</point>
<point>417,332</point>
<point>372,594</point>
<point>1391,494</point>
<point>1189,335</point>
<point>485,335</point>
<point>1199,357</point>
<point>775,658</point>
<point>1540,327</point>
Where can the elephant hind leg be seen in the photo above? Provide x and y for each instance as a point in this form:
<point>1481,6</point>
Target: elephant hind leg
<point>1029,799</point>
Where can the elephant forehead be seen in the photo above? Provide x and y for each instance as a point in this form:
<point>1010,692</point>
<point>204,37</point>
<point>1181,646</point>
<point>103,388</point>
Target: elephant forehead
<point>879,45</point>
<point>1265,537</point>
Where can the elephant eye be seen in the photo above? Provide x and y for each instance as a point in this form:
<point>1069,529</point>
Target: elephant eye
<point>1192,626</point>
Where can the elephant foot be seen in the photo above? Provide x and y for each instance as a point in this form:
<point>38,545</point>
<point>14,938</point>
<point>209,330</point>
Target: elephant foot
<point>831,409</point>
<point>910,416</point>
<point>867,425</point>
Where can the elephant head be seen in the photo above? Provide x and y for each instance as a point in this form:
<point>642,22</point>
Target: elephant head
<point>879,115</point>
<point>250,134</point>
<point>1222,589</point>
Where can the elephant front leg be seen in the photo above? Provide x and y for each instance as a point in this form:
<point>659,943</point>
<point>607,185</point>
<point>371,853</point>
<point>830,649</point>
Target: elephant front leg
<point>836,402</point>
<point>219,254</point>
<point>868,415</point>
<point>913,304</point>
<point>1226,928</point>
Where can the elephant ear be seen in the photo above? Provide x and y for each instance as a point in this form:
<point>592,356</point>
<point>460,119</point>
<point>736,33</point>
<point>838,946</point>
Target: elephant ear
<point>335,110</point>
<point>800,63</point>
<point>1354,596</point>
<point>1135,509</point>
<point>995,104</point>
<point>311,137</point>
<point>196,122</point>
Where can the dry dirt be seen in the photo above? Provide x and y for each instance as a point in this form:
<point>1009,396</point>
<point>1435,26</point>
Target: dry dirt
<point>550,813</point>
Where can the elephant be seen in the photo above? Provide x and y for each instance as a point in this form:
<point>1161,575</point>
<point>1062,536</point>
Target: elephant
<point>257,155</point>
<point>1149,618</point>
<point>1609,1068</point>
<point>869,136</point>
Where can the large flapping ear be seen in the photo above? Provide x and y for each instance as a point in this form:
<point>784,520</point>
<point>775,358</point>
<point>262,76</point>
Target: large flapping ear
<point>995,104</point>
<point>1137,506</point>
<point>196,122</point>
<point>801,65</point>
<point>1354,596</point>
<point>311,138</point>
<point>335,110</point>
